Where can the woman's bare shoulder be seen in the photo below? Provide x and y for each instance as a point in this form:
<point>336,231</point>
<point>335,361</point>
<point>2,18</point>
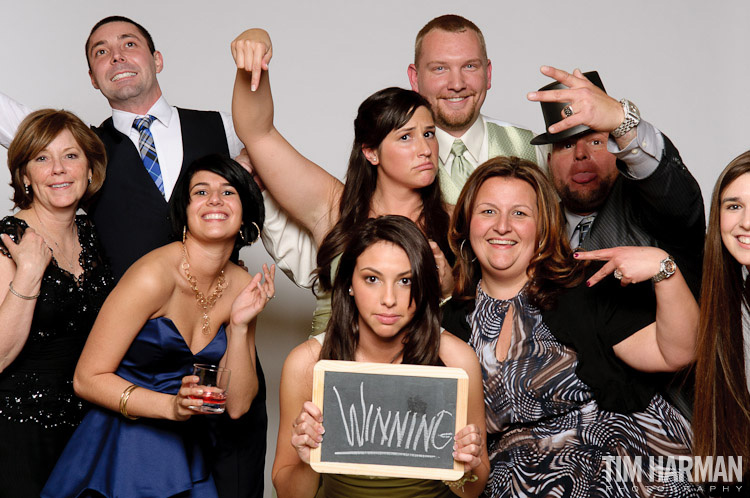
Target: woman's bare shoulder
<point>456,353</point>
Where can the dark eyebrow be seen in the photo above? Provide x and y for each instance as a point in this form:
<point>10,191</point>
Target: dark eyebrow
<point>119,37</point>
<point>730,199</point>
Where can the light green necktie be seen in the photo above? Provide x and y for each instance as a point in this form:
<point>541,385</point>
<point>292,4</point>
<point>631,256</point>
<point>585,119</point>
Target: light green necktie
<point>460,168</point>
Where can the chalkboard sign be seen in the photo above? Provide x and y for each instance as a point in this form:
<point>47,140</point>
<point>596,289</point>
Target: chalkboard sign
<point>389,420</point>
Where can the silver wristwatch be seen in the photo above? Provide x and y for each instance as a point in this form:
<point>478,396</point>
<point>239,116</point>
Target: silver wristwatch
<point>666,270</point>
<point>632,118</point>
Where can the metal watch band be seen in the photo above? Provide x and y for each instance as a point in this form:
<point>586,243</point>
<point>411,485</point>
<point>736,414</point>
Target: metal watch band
<point>632,118</point>
<point>667,268</point>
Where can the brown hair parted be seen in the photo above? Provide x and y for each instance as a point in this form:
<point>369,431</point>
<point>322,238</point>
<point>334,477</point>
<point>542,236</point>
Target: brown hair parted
<point>451,23</point>
<point>378,115</point>
<point>422,337</point>
<point>35,133</point>
<point>721,414</point>
<point>552,267</point>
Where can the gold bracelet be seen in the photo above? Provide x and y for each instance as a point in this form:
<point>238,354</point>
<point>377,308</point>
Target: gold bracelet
<point>468,477</point>
<point>124,397</point>
<point>18,294</point>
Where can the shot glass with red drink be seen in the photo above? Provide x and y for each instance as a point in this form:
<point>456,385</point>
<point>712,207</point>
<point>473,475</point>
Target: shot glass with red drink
<point>214,381</point>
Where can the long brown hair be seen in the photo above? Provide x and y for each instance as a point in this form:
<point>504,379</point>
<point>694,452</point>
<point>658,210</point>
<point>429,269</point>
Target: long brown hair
<point>550,269</point>
<point>381,113</point>
<point>422,335</point>
<point>721,415</point>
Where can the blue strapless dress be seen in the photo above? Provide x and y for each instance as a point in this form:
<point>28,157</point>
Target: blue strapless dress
<point>142,458</point>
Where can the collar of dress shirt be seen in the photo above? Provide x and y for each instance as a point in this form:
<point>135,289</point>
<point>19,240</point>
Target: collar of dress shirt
<point>161,110</point>
<point>573,221</point>
<point>472,139</point>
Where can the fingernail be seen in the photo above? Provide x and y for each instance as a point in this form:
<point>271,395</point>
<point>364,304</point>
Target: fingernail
<point>575,254</point>
<point>321,430</point>
<point>253,88</point>
<point>544,68</point>
<point>588,284</point>
<point>453,454</point>
<point>531,95</point>
<point>199,391</point>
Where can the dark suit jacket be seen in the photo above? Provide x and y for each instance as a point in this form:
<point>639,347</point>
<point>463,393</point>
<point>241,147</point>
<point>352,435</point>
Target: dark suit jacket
<point>130,214</point>
<point>663,210</point>
<point>132,218</point>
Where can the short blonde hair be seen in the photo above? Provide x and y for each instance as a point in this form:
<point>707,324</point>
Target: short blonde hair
<point>451,23</point>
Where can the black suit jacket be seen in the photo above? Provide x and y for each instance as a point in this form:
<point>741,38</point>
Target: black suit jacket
<point>663,210</point>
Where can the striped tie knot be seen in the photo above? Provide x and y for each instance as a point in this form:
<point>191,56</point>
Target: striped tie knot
<point>147,150</point>
<point>143,123</point>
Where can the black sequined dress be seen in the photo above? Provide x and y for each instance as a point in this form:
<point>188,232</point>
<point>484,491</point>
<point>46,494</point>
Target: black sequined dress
<point>38,410</point>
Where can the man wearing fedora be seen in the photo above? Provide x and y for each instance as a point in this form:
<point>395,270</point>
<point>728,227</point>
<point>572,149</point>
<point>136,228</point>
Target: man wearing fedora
<point>451,70</point>
<point>620,180</point>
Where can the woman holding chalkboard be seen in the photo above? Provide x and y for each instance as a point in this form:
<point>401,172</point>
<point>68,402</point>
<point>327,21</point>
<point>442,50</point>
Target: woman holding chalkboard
<point>565,359</point>
<point>386,310</point>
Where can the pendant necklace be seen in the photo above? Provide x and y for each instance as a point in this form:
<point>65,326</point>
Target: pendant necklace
<point>205,303</point>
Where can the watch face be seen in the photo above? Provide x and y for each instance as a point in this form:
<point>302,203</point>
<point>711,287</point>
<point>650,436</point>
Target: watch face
<point>670,266</point>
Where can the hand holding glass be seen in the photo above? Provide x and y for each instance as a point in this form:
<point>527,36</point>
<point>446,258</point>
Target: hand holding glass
<point>214,381</point>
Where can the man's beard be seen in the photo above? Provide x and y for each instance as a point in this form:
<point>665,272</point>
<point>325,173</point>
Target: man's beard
<point>585,201</point>
<point>453,121</point>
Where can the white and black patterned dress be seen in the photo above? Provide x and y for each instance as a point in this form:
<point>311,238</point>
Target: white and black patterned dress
<point>547,435</point>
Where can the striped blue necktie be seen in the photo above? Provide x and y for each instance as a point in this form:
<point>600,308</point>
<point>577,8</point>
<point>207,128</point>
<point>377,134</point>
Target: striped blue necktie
<point>148,150</point>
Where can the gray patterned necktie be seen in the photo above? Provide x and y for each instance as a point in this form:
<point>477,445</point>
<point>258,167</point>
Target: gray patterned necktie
<point>583,228</point>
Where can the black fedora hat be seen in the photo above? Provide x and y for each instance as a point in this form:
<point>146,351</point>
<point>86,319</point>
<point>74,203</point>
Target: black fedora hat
<point>552,112</point>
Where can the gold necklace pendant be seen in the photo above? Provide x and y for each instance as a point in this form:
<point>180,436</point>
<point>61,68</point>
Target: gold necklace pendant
<point>206,303</point>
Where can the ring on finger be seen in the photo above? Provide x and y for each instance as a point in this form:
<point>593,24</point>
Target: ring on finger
<point>617,274</point>
<point>568,111</point>
<point>270,297</point>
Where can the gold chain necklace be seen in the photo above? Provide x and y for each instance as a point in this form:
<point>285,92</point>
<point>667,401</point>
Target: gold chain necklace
<point>205,303</point>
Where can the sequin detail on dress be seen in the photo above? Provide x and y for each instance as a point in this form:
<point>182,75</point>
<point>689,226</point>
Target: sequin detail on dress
<point>37,387</point>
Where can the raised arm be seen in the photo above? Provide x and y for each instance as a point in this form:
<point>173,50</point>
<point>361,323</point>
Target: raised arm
<point>12,113</point>
<point>304,189</point>
<point>25,271</point>
<point>668,344</point>
<point>240,355</point>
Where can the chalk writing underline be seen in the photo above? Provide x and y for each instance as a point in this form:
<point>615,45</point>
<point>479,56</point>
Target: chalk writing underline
<point>385,453</point>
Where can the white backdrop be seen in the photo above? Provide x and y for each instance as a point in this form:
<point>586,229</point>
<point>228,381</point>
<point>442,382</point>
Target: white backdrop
<point>684,63</point>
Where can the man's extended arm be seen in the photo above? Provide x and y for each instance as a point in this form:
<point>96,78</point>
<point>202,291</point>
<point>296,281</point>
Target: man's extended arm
<point>12,113</point>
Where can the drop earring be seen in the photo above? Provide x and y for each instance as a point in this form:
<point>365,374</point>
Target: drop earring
<point>26,188</point>
<point>184,234</point>
<point>257,229</point>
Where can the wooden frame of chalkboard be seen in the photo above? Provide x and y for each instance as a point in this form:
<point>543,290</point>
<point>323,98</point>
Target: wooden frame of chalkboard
<point>389,420</point>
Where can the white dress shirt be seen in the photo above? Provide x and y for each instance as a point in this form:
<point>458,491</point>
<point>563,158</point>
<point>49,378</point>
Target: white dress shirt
<point>167,133</point>
<point>291,246</point>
